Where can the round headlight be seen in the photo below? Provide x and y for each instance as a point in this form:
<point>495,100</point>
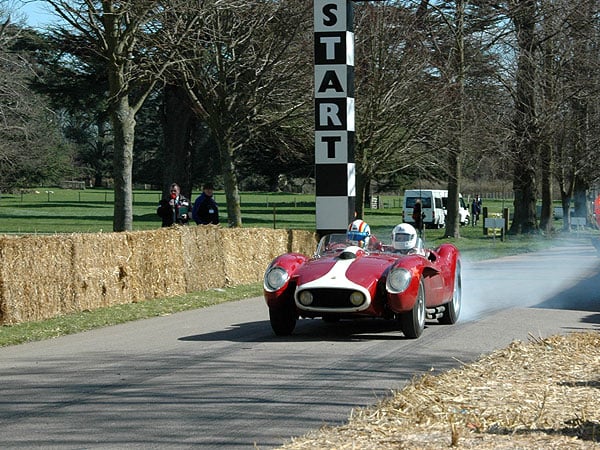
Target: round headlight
<point>398,280</point>
<point>275,278</point>
<point>357,298</point>
<point>305,297</point>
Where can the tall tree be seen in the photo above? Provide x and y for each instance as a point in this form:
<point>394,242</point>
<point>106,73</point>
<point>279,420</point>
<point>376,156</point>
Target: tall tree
<point>32,150</point>
<point>117,31</point>
<point>246,72</point>
<point>523,14</point>
<point>462,38</point>
<point>395,111</point>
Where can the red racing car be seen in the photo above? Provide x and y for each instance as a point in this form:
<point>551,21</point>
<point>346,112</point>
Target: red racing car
<point>345,281</point>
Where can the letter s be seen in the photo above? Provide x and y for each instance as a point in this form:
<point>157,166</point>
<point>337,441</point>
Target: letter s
<point>329,11</point>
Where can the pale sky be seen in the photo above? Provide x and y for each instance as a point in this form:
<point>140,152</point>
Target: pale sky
<point>37,13</point>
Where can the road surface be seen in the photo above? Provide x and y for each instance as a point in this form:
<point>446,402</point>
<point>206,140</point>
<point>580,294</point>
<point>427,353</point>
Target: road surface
<point>218,377</point>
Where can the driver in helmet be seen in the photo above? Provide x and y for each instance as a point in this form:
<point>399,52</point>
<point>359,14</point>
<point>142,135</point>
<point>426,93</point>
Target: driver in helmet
<point>359,233</point>
<point>406,241</point>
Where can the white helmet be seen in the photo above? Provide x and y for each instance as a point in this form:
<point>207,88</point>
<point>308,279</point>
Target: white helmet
<point>359,233</point>
<point>404,237</point>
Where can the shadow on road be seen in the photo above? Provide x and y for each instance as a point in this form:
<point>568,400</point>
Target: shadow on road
<point>312,330</point>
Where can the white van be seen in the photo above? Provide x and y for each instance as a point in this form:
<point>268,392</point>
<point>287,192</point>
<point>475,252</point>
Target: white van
<point>432,206</point>
<point>464,215</point>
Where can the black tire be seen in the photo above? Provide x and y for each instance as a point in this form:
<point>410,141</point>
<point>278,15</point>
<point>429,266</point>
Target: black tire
<point>413,322</point>
<point>283,320</point>
<point>452,311</point>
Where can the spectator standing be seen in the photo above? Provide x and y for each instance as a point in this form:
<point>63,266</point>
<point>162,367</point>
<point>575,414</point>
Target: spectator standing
<point>417,217</point>
<point>476,209</point>
<point>205,210</point>
<point>174,209</point>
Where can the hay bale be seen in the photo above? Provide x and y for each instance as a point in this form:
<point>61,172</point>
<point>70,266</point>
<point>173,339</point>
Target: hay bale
<point>302,241</point>
<point>46,276</point>
<point>156,266</point>
<point>248,251</point>
<point>36,277</point>
<point>102,270</point>
<point>203,264</point>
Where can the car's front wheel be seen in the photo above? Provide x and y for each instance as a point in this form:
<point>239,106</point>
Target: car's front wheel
<point>283,320</point>
<point>452,311</point>
<point>413,321</point>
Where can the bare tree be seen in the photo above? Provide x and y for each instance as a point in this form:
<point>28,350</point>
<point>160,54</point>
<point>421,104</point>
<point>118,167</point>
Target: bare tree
<point>395,117</point>
<point>567,104</point>
<point>246,70</point>
<point>117,30</point>
<point>525,142</point>
<point>462,38</point>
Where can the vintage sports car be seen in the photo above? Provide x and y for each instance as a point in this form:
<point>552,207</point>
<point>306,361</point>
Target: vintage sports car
<point>345,281</point>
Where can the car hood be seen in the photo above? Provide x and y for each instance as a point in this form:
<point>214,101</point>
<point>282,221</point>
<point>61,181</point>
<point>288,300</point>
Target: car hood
<point>344,270</point>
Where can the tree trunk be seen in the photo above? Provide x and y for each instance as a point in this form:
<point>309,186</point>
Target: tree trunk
<point>546,174</point>
<point>525,136</point>
<point>452,217</point>
<point>232,194</point>
<point>123,118</point>
<point>548,134</point>
<point>580,197</point>
<point>178,120</point>
<point>566,192</point>
<point>361,189</point>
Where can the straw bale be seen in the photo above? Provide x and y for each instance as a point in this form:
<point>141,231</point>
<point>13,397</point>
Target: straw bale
<point>81,272</point>
<point>156,264</point>
<point>302,241</point>
<point>204,266</point>
<point>102,275</point>
<point>36,277</point>
<point>541,395</point>
<point>248,251</point>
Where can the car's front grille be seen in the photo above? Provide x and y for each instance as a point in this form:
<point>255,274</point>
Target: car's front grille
<point>331,298</point>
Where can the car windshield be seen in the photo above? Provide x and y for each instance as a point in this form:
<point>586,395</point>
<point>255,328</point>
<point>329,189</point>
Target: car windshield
<point>336,242</point>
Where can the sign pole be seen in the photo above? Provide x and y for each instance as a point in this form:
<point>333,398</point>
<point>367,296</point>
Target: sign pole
<point>334,115</point>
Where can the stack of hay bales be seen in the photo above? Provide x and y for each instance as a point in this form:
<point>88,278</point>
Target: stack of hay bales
<point>47,276</point>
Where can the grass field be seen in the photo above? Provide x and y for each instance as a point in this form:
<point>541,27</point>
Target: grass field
<point>53,210</point>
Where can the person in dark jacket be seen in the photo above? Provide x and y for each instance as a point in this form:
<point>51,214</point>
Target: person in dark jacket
<point>205,210</point>
<point>417,217</point>
<point>174,208</point>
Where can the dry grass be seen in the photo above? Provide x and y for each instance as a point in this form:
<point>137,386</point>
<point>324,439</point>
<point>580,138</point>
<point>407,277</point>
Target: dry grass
<point>544,394</point>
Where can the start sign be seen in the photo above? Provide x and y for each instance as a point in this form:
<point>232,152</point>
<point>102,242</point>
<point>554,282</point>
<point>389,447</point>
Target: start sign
<point>334,114</point>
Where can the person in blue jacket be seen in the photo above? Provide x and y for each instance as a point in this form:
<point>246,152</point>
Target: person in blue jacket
<point>205,210</point>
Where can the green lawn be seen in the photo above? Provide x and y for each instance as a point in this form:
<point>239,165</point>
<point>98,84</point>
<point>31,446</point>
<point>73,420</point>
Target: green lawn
<point>54,210</point>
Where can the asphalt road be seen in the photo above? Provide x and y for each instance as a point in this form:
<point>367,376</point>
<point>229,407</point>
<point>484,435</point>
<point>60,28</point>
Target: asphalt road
<point>218,377</point>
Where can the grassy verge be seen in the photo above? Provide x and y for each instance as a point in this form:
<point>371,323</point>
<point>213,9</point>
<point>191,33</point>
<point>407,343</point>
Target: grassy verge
<point>88,320</point>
